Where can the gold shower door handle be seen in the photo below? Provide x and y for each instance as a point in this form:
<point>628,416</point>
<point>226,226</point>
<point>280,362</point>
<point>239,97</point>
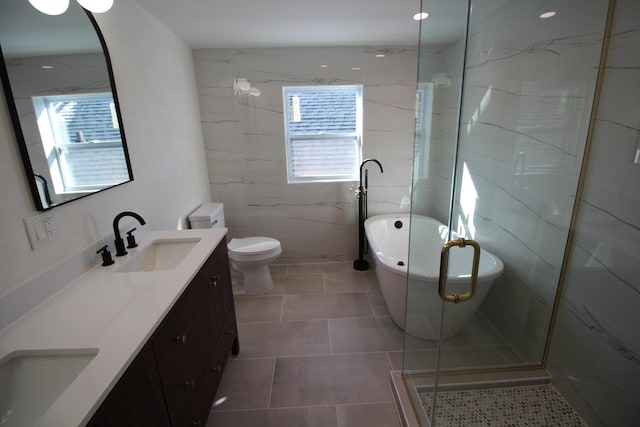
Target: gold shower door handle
<point>444,261</point>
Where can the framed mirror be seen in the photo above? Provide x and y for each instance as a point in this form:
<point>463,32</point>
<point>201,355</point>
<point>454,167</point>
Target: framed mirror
<point>60,92</point>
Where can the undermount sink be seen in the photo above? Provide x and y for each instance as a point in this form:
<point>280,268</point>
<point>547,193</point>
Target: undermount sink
<point>162,254</point>
<point>31,381</point>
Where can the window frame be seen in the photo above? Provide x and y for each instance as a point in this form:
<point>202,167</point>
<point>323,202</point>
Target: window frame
<point>356,136</point>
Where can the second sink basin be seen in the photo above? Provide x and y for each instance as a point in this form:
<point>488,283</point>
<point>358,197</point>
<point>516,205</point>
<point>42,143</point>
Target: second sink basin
<point>31,381</point>
<point>162,254</point>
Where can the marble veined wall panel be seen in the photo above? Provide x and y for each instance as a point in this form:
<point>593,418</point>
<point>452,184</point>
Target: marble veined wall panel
<point>595,352</point>
<point>246,153</point>
<point>528,92</point>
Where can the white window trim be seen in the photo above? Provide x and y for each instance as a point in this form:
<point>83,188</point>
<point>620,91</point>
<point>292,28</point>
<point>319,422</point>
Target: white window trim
<point>356,136</point>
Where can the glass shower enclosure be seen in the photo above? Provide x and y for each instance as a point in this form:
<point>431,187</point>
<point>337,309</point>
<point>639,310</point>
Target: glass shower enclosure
<point>505,97</point>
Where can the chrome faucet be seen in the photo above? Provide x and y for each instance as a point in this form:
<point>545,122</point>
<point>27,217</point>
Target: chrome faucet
<point>120,250</point>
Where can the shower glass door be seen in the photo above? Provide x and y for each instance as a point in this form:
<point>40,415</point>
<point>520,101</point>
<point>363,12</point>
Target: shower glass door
<point>505,93</point>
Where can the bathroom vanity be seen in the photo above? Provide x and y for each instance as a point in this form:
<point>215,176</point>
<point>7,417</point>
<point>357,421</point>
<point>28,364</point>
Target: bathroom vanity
<point>182,363</point>
<point>144,340</point>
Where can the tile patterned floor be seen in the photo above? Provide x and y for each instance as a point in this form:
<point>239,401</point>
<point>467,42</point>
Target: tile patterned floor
<point>315,351</point>
<point>536,405</point>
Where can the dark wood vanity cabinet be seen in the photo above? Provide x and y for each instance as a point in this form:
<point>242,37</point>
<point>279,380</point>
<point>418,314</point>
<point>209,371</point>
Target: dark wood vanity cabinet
<point>176,375</point>
<point>137,399</point>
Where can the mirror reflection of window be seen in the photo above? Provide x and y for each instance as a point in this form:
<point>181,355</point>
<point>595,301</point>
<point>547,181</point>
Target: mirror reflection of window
<point>81,141</point>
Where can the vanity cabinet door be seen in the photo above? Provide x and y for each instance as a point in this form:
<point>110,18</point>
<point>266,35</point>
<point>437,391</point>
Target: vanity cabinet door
<point>218,297</point>
<point>223,291</point>
<point>200,407</point>
<point>181,352</point>
<point>137,399</point>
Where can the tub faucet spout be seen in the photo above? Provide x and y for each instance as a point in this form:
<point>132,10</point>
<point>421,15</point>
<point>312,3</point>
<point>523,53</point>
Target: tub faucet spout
<point>120,250</point>
<point>362,165</point>
<point>361,264</point>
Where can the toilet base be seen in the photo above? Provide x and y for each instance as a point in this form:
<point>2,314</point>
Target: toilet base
<point>256,281</point>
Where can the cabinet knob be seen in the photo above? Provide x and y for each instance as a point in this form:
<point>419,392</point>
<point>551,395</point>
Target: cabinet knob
<point>196,423</point>
<point>214,281</point>
<point>181,339</point>
<point>190,384</point>
<point>228,332</point>
<point>217,369</point>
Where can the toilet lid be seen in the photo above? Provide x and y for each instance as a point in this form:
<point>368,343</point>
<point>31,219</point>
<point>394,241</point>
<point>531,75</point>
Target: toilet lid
<point>253,245</point>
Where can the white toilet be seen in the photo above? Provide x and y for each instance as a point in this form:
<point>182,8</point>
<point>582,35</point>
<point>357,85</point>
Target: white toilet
<point>249,256</point>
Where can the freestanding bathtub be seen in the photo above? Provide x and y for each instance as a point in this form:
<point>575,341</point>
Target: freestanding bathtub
<point>420,313</point>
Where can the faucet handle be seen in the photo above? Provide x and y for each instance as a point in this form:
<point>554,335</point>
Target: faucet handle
<point>106,256</point>
<point>131,239</point>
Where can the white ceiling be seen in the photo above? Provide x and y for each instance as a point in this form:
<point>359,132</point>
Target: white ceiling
<point>287,23</point>
<point>246,24</point>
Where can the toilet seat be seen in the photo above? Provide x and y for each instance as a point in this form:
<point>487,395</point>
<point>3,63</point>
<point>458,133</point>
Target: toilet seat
<point>253,245</point>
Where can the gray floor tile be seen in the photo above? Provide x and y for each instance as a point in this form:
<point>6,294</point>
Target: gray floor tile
<point>318,416</point>
<point>377,302</point>
<point>326,380</point>
<point>296,338</point>
<point>328,267</point>
<point>396,358</point>
<point>278,269</point>
<point>304,307</point>
<point>460,357</point>
<point>246,384</point>
<point>368,415</point>
<point>350,281</point>
<point>292,284</point>
<point>367,334</point>
<point>258,308</point>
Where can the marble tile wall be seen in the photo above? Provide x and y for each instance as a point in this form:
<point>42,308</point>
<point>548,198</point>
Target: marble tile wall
<point>245,146</point>
<point>528,93</point>
<point>435,137</point>
<point>595,352</point>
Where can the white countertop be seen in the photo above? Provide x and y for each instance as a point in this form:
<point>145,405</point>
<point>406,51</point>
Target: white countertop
<point>111,312</point>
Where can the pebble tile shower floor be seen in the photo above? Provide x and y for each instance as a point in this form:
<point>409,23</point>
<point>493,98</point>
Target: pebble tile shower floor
<point>534,405</point>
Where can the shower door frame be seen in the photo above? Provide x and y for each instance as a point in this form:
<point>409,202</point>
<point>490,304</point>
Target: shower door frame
<point>530,369</point>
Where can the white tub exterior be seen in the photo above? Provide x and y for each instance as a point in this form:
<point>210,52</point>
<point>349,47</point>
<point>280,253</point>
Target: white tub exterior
<point>420,316</point>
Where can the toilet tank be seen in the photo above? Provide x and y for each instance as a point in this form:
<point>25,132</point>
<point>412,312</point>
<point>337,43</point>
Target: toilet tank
<point>209,215</point>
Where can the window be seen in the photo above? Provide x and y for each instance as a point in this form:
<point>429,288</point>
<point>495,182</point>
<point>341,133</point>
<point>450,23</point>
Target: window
<point>82,141</point>
<point>323,131</point>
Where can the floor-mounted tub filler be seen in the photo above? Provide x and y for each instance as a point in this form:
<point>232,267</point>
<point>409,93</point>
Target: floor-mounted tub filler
<point>388,237</point>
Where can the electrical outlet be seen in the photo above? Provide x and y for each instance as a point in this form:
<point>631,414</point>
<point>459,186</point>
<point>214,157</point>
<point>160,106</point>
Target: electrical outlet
<point>40,228</point>
<point>49,226</point>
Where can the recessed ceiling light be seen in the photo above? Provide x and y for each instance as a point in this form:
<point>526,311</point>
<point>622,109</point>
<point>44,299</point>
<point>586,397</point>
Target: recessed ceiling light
<point>49,7</point>
<point>355,68</point>
<point>47,67</point>
<point>420,16</point>
<point>323,66</point>
<point>380,55</point>
<point>96,6</point>
<point>548,14</point>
